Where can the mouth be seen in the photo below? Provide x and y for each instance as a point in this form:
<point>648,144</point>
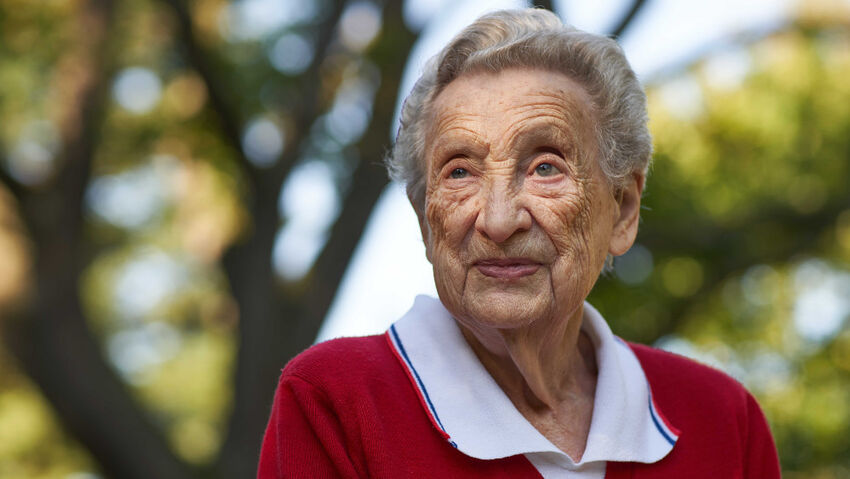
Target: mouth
<point>507,268</point>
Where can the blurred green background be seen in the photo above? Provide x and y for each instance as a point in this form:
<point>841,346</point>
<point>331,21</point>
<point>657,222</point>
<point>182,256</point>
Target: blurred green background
<point>146,148</point>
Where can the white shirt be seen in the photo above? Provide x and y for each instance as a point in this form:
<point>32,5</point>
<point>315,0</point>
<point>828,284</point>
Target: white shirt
<point>467,405</point>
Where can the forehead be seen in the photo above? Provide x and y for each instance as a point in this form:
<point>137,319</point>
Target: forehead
<point>517,91</point>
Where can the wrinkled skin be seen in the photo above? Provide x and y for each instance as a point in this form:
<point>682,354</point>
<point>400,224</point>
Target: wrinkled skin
<point>517,223</point>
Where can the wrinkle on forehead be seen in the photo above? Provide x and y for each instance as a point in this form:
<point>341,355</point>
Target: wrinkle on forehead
<point>566,112</point>
<point>572,94</point>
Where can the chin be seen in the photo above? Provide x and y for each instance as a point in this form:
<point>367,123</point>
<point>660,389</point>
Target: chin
<point>507,310</point>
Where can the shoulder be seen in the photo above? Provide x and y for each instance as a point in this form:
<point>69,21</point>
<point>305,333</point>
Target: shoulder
<point>723,430</point>
<point>712,409</point>
<point>669,371</point>
<point>681,385</point>
<point>343,361</point>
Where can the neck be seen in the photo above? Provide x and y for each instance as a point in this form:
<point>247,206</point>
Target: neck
<point>548,371</point>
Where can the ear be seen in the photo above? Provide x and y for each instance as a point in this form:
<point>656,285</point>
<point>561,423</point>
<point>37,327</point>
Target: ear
<point>628,216</point>
<point>424,228</point>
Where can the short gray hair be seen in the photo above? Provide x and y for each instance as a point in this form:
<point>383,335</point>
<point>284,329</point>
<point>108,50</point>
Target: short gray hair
<point>531,38</point>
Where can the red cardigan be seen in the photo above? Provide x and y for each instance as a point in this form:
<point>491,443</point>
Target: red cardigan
<point>345,408</point>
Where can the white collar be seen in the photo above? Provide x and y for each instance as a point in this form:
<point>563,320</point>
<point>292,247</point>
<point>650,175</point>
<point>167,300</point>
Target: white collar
<point>470,410</point>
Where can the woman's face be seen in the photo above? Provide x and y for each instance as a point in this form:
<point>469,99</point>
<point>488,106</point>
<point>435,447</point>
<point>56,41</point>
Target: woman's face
<point>519,213</point>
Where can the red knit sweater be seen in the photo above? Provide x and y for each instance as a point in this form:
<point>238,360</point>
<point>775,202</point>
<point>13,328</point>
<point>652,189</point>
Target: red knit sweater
<point>345,408</point>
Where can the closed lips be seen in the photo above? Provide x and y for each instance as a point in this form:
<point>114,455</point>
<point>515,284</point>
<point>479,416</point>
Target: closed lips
<point>507,268</point>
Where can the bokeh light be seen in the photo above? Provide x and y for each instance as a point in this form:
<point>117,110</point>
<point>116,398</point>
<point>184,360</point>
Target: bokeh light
<point>263,142</point>
<point>137,89</point>
<point>31,158</point>
<point>635,266</point>
<point>291,54</point>
<point>359,25</point>
<point>309,202</point>
<point>134,197</point>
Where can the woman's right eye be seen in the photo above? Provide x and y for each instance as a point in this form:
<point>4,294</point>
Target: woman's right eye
<point>458,173</point>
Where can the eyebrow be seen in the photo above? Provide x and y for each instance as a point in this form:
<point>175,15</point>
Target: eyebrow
<point>544,132</point>
<point>471,140</point>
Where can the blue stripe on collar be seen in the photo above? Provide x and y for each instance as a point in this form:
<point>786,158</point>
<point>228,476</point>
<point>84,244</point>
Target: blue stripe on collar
<point>423,391</point>
<point>667,434</point>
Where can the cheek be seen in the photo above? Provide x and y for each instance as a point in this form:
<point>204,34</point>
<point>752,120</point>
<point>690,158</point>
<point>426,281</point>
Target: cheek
<point>451,216</point>
<point>569,223</point>
<point>446,220</point>
<point>561,220</point>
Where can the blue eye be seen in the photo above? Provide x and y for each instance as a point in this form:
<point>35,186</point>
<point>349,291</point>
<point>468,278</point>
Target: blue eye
<point>459,173</point>
<point>546,169</point>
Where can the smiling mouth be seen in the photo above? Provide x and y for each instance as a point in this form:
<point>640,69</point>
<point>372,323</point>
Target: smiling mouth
<point>507,268</point>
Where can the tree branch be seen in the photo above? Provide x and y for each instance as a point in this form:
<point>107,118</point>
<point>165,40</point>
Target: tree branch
<point>49,335</point>
<point>220,102</point>
<point>707,240</point>
<point>546,4</point>
<point>368,180</point>
<point>62,358</point>
<point>248,267</point>
<point>277,335</point>
<point>58,206</point>
<point>306,95</point>
<point>16,188</point>
<point>627,18</point>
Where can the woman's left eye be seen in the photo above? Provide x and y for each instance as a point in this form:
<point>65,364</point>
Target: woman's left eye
<point>546,169</point>
<point>459,173</point>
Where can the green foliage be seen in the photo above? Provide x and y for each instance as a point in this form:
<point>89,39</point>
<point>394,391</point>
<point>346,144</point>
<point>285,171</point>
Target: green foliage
<point>179,218</point>
<point>32,442</point>
<point>746,220</point>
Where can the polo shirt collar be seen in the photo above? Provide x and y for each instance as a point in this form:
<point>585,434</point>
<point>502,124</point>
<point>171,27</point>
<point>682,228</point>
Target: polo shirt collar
<point>472,412</point>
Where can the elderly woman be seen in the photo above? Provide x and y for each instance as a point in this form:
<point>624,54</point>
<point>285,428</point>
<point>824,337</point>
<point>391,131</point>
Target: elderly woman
<point>524,148</point>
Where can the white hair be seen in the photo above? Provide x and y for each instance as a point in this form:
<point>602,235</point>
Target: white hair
<point>531,38</point>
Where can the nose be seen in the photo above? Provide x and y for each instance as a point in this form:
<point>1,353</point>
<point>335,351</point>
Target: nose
<point>502,213</point>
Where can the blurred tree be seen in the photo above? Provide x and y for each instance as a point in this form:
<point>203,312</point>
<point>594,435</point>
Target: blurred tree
<point>141,228</point>
<point>314,61</point>
<point>153,285</point>
<point>743,258</point>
